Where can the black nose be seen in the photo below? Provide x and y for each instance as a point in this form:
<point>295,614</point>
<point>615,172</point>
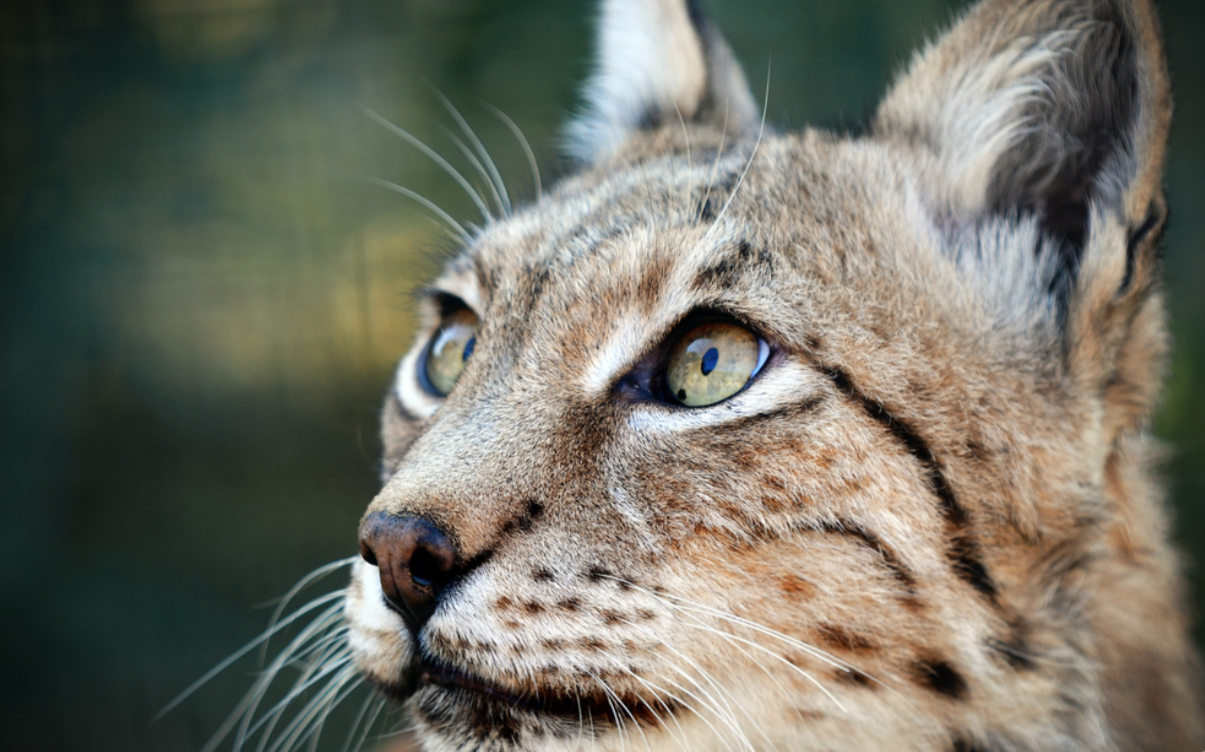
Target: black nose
<point>415,558</point>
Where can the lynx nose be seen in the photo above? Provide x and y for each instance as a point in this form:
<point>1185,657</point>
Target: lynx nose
<point>415,559</point>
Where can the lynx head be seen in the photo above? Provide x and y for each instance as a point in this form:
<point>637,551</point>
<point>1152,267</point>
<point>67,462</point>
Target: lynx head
<point>747,440</point>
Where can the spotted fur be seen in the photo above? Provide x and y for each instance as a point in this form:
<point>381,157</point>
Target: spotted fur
<point>929,523</point>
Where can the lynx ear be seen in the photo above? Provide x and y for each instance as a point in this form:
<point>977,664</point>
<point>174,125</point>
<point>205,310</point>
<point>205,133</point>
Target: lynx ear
<point>1055,111</point>
<point>1042,106</point>
<point>658,61</point>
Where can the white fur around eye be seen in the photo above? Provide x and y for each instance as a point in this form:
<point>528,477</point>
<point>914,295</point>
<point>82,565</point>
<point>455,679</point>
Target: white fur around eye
<point>414,398</point>
<point>786,383</point>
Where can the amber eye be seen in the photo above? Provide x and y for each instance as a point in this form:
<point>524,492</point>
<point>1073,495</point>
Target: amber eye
<point>712,362</point>
<point>450,348</point>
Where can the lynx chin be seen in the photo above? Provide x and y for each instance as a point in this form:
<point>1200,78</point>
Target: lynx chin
<point>739,440</point>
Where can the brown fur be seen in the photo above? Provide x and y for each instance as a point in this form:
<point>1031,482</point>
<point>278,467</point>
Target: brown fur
<point>931,521</point>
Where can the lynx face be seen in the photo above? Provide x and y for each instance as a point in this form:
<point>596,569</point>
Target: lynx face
<point>741,440</point>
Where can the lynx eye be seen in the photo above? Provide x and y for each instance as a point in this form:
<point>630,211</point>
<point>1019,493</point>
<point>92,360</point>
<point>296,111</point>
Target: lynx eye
<point>712,362</point>
<point>449,350</point>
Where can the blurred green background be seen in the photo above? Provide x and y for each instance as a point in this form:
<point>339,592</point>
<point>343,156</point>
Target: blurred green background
<point>201,300</point>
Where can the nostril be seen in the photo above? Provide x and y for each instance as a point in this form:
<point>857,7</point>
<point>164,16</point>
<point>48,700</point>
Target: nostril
<point>366,553</point>
<point>425,568</point>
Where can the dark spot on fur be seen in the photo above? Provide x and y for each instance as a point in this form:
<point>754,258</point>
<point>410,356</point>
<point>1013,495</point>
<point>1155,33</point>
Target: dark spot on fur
<point>726,271</point>
<point>840,638</point>
<point>940,677</point>
<point>1154,218</point>
<point>533,607</point>
<point>612,618</point>
<point>543,575</point>
<point>964,554</point>
<point>795,585</point>
<point>534,509</point>
<point>481,558</point>
<point>503,603</point>
<point>569,604</point>
<point>855,677</point>
<point>592,644</point>
<point>598,574</point>
<point>645,615</point>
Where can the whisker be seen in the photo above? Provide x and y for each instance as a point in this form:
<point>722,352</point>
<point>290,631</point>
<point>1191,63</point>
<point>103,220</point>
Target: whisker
<point>760,132</point>
<point>531,156</point>
<point>715,166</point>
<point>622,706</point>
<point>373,704</point>
<point>690,167</point>
<point>453,224</point>
<point>296,731</point>
<point>244,650</point>
<point>255,694</point>
<point>266,679</point>
<point>481,150</point>
<point>730,638</point>
<point>659,693</point>
<point>435,157</point>
<point>473,160</point>
<point>303,583</point>
<point>307,680</point>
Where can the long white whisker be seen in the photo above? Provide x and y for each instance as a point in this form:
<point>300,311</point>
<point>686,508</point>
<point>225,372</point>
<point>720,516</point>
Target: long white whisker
<point>620,703</point>
<point>456,226</point>
<point>295,731</point>
<point>435,157</point>
<point>724,714</point>
<point>255,694</point>
<point>473,160</point>
<point>674,601</point>
<point>304,582</point>
<point>246,649</point>
<point>373,701</point>
<point>740,181</point>
<point>307,680</point>
<point>732,639</point>
<point>481,150</point>
<point>268,677</point>
<point>531,156</point>
<point>715,166</point>
<point>658,694</point>
<point>690,166</point>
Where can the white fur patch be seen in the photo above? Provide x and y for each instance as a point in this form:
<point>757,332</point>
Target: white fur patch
<point>649,57</point>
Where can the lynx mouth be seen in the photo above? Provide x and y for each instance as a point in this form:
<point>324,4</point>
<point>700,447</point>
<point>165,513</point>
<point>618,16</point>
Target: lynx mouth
<point>460,687</point>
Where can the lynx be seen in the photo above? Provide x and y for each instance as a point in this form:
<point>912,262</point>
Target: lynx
<point>747,440</point>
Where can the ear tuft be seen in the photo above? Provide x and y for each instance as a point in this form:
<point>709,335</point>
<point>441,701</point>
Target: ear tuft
<point>659,62</point>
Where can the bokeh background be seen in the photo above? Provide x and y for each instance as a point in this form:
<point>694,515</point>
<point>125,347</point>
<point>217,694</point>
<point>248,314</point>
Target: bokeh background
<point>201,298</point>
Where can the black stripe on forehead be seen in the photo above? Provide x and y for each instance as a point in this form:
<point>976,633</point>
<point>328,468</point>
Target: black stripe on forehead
<point>732,264</point>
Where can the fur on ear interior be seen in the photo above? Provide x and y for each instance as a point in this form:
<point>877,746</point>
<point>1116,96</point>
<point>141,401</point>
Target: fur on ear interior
<point>659,63</point>
<point>1038,107</point>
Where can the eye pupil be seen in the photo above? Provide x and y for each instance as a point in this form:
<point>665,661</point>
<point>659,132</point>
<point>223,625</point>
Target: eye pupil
<point>696,375</point>
<point>468,348</point>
